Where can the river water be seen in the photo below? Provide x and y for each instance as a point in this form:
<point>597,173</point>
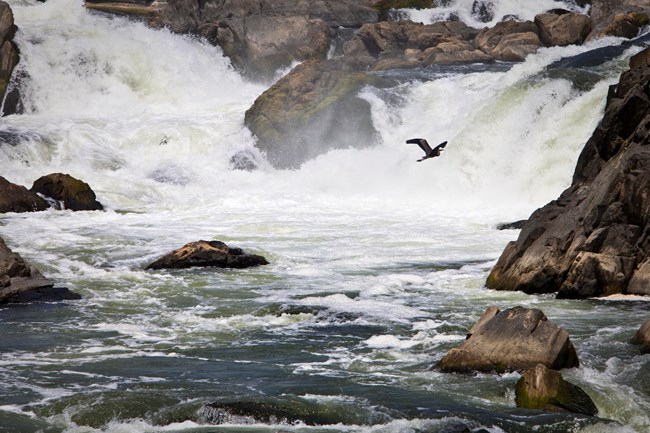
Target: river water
<point>378,263</point>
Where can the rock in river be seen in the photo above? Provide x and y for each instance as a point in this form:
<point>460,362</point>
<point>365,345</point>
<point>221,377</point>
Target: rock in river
<point>541,388</point>
<point>514,339</point>
<point>16,198</point>
<point>67,191</point>
<point>207,254</point>
<point>642,337</point>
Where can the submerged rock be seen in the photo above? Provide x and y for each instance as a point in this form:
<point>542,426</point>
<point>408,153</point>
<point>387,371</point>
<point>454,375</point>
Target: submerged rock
<point>513,339</point>
<point>594,240</point>
<point>67,191</point>
<point>20,282</point>
<point>16,198</point>
<point>642,337</point>
<point>207,254</point>
<point>541,388</point>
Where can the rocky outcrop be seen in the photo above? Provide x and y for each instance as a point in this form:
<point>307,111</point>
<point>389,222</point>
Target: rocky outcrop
<point>642,337</point>
<point>8,50</point>
<point>622,18</point>
<point>513,339</point>
<point>207,254</point>
<point>510,40</point>
<point>20,282</point>
<point>545,389</point>
<point>563,29</point>
<point>16,198</point>
<point>311,110</point>
<point>67,192</point>
<point>594,240</point>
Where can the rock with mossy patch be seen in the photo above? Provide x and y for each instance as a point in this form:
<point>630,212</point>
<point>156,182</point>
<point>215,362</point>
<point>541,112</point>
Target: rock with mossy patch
<point>545,389</point>
<point>67,192</point>
<point>514,339</point>
<point>207,254</point>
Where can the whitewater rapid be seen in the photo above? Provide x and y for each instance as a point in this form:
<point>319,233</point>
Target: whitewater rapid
<point>377,265</point>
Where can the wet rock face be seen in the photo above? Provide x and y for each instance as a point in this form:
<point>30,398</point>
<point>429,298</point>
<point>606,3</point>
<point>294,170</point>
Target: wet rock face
<point>563,29</point>
<point>594,240</point>
<point>8,50</point>
<point>545,389</point>
<point>207,254</point>
<point>16,198</point>
<point>513,339</point>
<point>642,337</point>
<point>71,193</point>
<point>20,282</point>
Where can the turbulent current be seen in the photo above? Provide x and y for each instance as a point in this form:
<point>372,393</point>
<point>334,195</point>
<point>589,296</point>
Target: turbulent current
<point>378,263</point>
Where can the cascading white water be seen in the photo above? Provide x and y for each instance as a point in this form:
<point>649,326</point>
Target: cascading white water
<point>384,258</point>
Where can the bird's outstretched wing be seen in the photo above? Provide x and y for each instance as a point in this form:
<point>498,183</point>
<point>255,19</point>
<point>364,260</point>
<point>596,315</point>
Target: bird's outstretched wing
<point>424,145</point>
<point>439,147</point>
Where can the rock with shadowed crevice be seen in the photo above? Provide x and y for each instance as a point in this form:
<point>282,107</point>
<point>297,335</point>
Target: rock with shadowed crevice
<point>71,193</point>
<point>207,254</point>
<point>514,339</point>
<point>545,389</point>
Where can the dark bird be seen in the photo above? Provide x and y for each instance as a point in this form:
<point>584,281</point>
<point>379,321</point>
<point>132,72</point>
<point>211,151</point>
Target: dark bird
<point>429,153</point>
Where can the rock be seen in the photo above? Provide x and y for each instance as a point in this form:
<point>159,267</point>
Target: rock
<point>311,110</point>
<point>8,50</point>
<point>541,388</point>
<point>67,191</point>
<point>642,337</point>
<point>594,240</point>
<point>16,198</point>
<point>207,254</point>
<point>511,41</point>
<point>622,18</point>
<point>513,339</point>
<point>243,160</point>
<point>260,45</point>
<point>483,10</point>
<point>561,30</point>
<point>516,225</point>
<point>20,282</point>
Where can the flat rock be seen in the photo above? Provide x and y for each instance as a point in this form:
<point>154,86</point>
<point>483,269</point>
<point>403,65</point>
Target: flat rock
<point>20,282</point>
<point>513,339</point>
<point>17,198</point>
<point>207,254</point>
<point>642,337</point>
<point>66,191</point>
<point>545,389</point>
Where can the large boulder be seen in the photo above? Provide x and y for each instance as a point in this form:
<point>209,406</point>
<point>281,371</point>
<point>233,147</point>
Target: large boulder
<point>623,18</point>
<point>563,29</point>
<point>594,240</point>
<point>513,339</point>
<point>545,389</point>
<point>642,337</point>
<point>67,192</point>
<point>509,40</point>
<point>8,50</point>
<point>16,198</point>
<point>311,110</point>
<point>207,254</point>
<point>20,282</point>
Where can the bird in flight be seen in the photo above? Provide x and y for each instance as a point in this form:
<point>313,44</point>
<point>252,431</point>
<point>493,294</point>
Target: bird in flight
<point>428,151</point>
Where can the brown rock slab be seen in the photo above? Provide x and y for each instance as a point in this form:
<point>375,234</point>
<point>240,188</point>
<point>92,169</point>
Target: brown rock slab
<point>16,198</point>
<point>207,254</point>
<point>565,29</point>
<point>513,339</point>
<point>545,389</point>
<point>71,193</point>
<point>642,337</point>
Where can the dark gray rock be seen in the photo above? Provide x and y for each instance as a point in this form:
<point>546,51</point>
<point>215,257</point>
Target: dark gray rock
<point>207,254</point>
<point>545,389</point>
<point>642,337</point>
<point>20,282</point>
<point>16,198</point>
<point>483,10</point>
<point>513,339</point>
<point>71,193</point>
<point>594,239</point>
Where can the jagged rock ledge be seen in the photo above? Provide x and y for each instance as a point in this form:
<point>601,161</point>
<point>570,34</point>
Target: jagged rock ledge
<point>594,240</point>
<point>20,282</point>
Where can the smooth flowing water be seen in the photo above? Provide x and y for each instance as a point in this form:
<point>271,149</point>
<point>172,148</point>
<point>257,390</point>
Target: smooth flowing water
<point>378,263</point>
